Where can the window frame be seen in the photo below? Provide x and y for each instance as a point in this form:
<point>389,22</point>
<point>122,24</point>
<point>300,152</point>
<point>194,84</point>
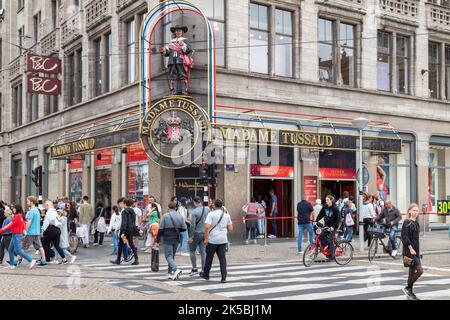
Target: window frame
<point>437,64</point>
<point>283,34</point>
<point>258,29</point>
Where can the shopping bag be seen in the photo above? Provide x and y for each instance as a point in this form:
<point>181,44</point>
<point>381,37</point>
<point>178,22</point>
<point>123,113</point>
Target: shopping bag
<point>155,259</point>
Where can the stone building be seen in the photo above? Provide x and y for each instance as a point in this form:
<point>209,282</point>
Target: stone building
<point>334,60</point>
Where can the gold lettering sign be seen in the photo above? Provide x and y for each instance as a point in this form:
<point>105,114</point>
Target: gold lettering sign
<point>73,147</point>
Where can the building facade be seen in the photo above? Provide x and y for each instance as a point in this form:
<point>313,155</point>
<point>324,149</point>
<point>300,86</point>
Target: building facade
<point>384,60</point>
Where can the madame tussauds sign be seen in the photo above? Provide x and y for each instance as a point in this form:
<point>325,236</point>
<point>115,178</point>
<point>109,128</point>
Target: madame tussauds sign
<point>173,132</point>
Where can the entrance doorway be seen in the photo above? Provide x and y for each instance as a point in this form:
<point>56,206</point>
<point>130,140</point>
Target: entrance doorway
<point>283,190</point>
<point>103,189</point>
<point>336,188</point>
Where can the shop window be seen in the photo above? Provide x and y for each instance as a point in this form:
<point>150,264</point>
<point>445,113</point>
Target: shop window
<point>434,61</point>
<point>52,177</point>
<point>137,175</point>
<point>393,178</point>
<point>17,180</point>
<point>32,165</point>
<point>259,39</point>
<point>439,171</point>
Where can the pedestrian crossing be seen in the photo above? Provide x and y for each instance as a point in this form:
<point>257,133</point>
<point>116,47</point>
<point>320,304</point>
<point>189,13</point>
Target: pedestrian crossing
<point>292,281</point>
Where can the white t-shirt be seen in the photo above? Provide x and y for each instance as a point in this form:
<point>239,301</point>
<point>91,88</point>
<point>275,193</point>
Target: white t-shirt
<point>138,215</point>
<point>367,211</point>
<point>219,234</point>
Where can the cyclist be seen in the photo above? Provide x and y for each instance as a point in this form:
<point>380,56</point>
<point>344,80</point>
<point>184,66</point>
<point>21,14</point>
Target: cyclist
<point>392,216</point>
<point>330,214</point>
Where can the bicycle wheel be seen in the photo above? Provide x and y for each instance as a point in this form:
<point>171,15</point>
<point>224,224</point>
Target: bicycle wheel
<point>373,248</point>
<point>310,255</point>
<point>344,253</point>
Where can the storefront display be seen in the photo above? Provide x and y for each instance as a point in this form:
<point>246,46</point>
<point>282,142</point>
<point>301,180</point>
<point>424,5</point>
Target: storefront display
<point>76,179</point>
<point>438,177</point>
<point>137,174</point>
<point>103,178</point>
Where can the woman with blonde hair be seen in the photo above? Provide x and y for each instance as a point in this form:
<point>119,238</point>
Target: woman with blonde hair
<point>411,249</point>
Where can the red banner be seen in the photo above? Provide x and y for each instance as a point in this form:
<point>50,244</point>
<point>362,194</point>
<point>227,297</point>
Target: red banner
<point>76,164</point>
<point>271,171</point>
<point>310,188</point>
<point>105,158</point>
<point>42,64</point>
<point>46,86</point>
<point>135,153</point>
<point>337,173</point>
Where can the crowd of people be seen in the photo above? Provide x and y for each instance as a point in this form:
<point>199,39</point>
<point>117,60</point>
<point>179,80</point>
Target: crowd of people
<point>55,228</point>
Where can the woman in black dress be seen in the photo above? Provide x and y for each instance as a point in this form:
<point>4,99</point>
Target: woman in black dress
<point>72,221</point>
<point>411,248</point>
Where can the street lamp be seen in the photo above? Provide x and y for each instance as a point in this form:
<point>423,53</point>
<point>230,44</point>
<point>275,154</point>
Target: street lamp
<point>360,123</point>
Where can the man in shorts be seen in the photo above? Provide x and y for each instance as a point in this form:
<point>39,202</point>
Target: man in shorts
<point>34,228</point>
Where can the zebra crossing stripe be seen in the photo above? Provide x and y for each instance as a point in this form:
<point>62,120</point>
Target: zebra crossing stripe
<point>338,293</point>
<point>262,291</point>
<point>372,272</point>
<point>371,280</point>
<point>215,286</point>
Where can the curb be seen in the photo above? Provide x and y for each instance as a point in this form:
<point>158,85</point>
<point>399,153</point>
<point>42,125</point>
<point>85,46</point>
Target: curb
<point>385,255</point>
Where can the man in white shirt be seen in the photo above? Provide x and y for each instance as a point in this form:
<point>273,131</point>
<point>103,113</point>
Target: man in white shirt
<point>217,225</point>
<point>148,209</point>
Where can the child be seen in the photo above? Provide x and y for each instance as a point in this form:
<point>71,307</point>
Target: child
<point>64,237</point>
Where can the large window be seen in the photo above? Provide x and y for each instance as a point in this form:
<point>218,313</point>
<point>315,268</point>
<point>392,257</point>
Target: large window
<point>131,51</point>
<point>347,52</point>
<point>32,165</point>
<point>326,50</point>
<point>283,43</point>
<point>17,105</point>
<point>447,72</point>
<point>259,39</point>
<point>17,179</point>
<point>74,80</point>
<point>33,107</point>
<point>384,62</point>
<point>439,171</point>
<point>108,62</point>
<point>37,24</point>
<point>215,11</point>
<point>337,62</point>
<point>402,64</point>
<point>52,178</point>
<point>434,60</point>
<point>97,68</point>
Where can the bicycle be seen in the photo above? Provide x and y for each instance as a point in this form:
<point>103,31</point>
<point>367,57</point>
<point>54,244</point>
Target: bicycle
<point>378,233</point>
<point>343,249</point>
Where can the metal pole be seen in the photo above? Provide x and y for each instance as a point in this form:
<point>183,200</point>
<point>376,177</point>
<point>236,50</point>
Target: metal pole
<point>360,189</point>
<point>265,230</point>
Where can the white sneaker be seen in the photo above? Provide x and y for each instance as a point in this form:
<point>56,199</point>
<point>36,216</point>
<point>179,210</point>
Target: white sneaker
<point>10,267</point>
<point>246,242</point>
<point>261,236</point>
<point>300,252</point>
<point>36,253</point>
<point>255,241</point>
<point>176,274</point>
<point>271,236</point>
<point>394,253</point>
<point>170,275</point>
<point>73,259</point>
<point>54,262</point>
<point>185,254</point>
<point>32,263</point>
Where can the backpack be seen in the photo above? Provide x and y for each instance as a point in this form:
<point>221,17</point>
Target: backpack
<point>349,219</point>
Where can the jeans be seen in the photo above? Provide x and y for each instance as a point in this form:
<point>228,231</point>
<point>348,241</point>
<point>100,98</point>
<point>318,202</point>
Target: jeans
<point>262,224</point>
<point>169,254</point>
<point>348,234</point>
<point>273,222</point>
<point>16,246</point>
<point>310,230</point>
<point>115,239</point>
<point>392,234</point>
<point>367,236</point>
<point>184,246</point>
<point>197,242</point>
<point>247,233</point>
<point>126,250</point>
<point>220,249</point>
<point>65,250</point>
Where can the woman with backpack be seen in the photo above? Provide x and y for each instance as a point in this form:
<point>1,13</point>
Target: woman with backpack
<point>411,249</point>
<point>348,221</point>
<point>100,224</point>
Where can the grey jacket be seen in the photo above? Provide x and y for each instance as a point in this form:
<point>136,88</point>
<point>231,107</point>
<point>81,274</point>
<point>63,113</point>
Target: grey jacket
<point>392,215</point>
<point>197,221</point>
<point>170,231</point>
